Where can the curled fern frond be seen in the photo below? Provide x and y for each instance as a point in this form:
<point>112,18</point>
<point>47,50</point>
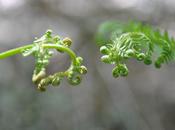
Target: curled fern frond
<point>134,40</point>
<point>42,50</point>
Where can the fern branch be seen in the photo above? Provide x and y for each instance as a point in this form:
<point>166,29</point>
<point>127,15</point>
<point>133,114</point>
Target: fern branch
<point>134,40</point>
<point>41,49</point>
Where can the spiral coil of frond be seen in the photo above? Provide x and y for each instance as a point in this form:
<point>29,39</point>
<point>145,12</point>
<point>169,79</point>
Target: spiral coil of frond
<point>42,56</point>
<point>42,50</point>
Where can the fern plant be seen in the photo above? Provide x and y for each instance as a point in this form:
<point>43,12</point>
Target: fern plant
<point>42,50</point>
<point>118,42</point>
<point>122,41</point>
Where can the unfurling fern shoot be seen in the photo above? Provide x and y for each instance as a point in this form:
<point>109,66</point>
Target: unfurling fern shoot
<point>122,41</point>
<point>42,50</point>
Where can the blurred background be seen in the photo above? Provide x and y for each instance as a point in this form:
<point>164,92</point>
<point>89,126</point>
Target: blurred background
<point>145,100</point>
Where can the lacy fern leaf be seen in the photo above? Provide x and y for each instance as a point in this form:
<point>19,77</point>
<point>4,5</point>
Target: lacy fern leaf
<point>134,40</point>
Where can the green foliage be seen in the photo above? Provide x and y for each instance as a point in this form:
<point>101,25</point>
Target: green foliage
<point>105,31</point>
<point>42,50</point>
<point>133,40</point>
<point>119,42</point>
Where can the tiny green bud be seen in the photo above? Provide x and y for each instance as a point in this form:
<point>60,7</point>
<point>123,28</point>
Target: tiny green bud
<point>123,70</point>
<point>147,61</point>
<point>74,80</point>
<point>130,53</point>
<point>67,42</point>
<point>104,50</point>
<point>48,33</point>
<point>140,56</point>
<point>41,88</point>
<point>106,59</point>
<point>83,70</point>
<point>157,64</point>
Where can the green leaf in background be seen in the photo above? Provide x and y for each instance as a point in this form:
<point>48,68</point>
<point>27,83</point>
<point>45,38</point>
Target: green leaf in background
<point>122,41</point>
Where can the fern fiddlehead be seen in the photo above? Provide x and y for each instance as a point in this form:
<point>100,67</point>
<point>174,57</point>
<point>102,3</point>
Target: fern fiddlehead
<point>122,41</point>
<point>42,50</point>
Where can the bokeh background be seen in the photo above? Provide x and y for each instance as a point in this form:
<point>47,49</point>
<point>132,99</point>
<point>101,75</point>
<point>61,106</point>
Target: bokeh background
<point>145,100</point>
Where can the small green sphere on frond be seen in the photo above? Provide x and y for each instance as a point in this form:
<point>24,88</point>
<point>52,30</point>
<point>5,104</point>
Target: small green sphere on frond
<point>104,50</point>
<point>106,59</point>
<point>140,57</point>
<point>74,79</point>
<point>147,61</point>
<point>120,70</point>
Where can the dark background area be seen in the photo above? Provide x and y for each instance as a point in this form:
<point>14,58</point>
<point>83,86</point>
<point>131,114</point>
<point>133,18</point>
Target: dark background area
<point>145,100</point>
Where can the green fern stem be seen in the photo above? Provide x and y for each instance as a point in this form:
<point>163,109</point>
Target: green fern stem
<point>19,50</point>
<point>15,51</point>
